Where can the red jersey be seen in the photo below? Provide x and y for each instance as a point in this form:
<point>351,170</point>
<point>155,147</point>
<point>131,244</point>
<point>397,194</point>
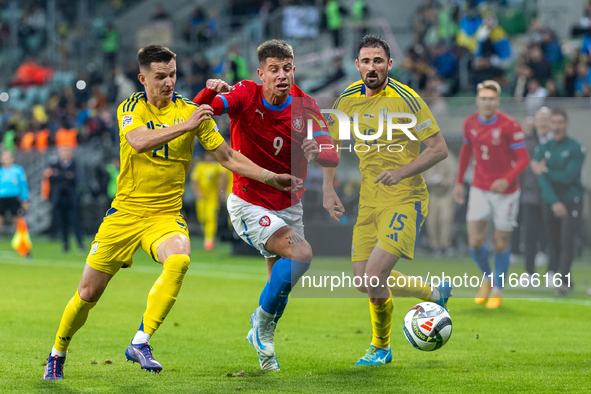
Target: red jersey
<point>271,137</point>
<point>499,151</point>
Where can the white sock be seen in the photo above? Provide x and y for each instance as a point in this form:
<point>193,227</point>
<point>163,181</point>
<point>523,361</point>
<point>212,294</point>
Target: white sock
<point>141,337</point>
<point>435,295</point>
<point>55,352</point>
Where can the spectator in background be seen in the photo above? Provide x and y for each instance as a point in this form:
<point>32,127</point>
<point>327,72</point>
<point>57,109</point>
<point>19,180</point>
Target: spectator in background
<point>238,66</point>
<point>570,80</point>
<point>551,46</point>
<point>64,197</point>
<point>14,190</point>
<point>125,86</point>
<point>337,74</point>
<point>583,80</point>
<point>484,71</point>
<point>522,74</point>
<point>535,97</point>
<point>110,46</point>
<point>558,165</point>
<point>160,14</point>
<point>492,40</point>
<point>359,17</point>
<point>335,13</point>
<point>552,89</point>
<point>530,203</point>
<point>469,24</point>
<point>540,66</point>
<point>440,180</point>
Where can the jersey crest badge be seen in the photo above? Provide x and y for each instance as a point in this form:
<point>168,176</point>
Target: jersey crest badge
<point>297,123</point>
<point>265,221</point>
<point>496,136</point>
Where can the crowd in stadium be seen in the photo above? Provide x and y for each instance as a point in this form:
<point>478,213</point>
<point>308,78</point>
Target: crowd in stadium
<point>491,39</point>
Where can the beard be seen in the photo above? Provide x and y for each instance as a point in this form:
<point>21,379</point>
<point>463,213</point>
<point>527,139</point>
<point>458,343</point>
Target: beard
<point>377,83</point>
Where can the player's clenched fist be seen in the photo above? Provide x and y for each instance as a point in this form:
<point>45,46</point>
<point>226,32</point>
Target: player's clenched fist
<point>203,112</point>
<point>311,151</point>
<point>218,85</point>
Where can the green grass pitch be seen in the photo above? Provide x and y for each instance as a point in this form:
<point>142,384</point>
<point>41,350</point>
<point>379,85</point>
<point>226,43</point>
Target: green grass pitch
<point>527,346</point>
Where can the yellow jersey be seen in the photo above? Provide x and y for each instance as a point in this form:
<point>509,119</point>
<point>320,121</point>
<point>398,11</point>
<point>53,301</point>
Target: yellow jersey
<point>153,182</point>
<point>383,153</point>
<point>207,175</point>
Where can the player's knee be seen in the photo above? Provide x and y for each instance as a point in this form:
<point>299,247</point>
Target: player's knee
<point>361,288</point>
<point>302,252</point>
<point>177,263</point>
<point>90,293</point>
<point>177,244</point>
<point>476,243</point>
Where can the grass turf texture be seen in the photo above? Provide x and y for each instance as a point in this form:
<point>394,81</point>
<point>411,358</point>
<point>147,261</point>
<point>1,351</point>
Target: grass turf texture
<point>525,346</point>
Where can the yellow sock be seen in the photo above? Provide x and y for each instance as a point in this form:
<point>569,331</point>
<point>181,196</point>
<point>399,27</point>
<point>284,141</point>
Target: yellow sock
<point>381,323</point>
<point>410,288</point>
<point>73,318</point>
<point>163,294</point>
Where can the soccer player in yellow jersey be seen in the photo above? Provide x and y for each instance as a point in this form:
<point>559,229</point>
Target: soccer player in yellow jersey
<point>393,198</point>
<point>157,129</point>
<point>208,180</point>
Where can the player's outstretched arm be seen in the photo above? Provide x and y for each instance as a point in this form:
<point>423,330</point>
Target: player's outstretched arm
<point>242,165</point>
<point>435,152</point>
<point>463,163</point>
<point>209,93</point>
<point>143,139</point>
<point>330,199</point>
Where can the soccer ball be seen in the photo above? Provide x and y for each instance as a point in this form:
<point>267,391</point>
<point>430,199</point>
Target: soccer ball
<point>427,326</point>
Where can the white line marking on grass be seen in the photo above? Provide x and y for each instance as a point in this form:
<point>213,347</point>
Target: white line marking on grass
<point>199,269</point>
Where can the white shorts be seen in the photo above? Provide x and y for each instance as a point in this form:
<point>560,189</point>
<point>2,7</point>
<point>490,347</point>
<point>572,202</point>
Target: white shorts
<point>255,224</point>
<point>503,208</point>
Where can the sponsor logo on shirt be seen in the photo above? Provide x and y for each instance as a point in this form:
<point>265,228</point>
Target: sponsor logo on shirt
<point>126,121</point>
<point>424,125</point>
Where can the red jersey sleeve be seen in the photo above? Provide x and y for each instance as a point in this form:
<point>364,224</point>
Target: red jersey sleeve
<point>328,156</point>
<point>465,154</point>
<point>231,103</point>
<point>515,138</point>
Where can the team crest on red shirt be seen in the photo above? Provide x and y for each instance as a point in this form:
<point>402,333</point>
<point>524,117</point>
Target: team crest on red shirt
<point>265,221</point>
<point>297,122</point>
<point>496,136</point>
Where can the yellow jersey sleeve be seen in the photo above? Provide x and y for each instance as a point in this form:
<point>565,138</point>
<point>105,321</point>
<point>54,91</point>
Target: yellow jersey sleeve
<point>209,135</point>
<point>131,113</point>
<point>426,123</point>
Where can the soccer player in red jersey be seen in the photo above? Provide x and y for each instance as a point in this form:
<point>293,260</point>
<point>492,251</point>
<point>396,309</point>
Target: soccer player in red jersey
<point>497,143</point>
<point>269,126</point>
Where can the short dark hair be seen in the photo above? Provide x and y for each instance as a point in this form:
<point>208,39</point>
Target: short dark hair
<point>371,41</point>
<point>560,111</point>
<point>154,54</point>
<point>274,48</point>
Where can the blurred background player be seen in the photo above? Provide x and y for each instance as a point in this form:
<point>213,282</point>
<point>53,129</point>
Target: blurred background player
<point>496,141</point>
<point>158,128</point>
<point>530,201</point>
<point>208,180</point>
<point>14,190</point>
<point>440,180</point>
<point>63,195</point>
<point>393,200</point>
<point>558,164</point>
<point>266,127</point>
